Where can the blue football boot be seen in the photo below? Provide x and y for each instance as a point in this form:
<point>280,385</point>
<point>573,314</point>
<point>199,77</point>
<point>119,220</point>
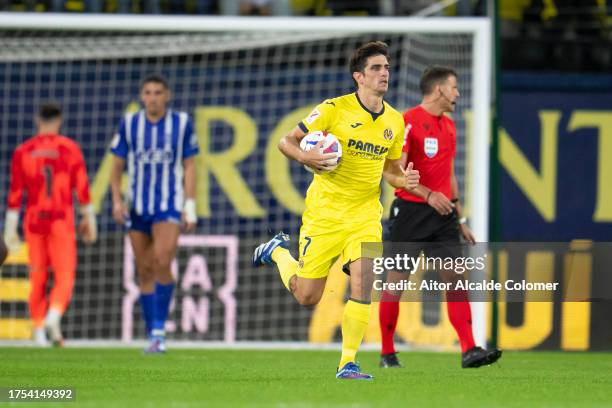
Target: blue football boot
<point>351,371</point>
<point>263,253</point>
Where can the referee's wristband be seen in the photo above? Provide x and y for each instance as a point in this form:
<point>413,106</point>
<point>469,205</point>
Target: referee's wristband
<point>462,220</point>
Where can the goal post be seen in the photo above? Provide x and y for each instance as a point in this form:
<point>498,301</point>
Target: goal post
<point>246,81</point>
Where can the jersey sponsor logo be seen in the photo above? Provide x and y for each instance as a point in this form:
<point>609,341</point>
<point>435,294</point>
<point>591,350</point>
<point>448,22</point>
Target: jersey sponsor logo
<point>313,116</point>
<point>431,146</point>
<point>366,150</point>
<point>356,125</point>
<point>154,156</point>
<point>388,134</point>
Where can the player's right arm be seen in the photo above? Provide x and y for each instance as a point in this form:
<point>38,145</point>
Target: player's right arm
<point>11,237</point>
<point>321,118</point>
<point>290,147</point>
<point>119,149</point>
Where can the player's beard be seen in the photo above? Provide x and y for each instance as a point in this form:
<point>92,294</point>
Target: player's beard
<point>382,88</point>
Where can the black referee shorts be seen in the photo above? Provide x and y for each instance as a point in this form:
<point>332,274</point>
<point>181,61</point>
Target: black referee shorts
<point>420,224</point>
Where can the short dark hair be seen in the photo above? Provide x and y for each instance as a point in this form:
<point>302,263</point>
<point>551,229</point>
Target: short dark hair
<point>49,111</point>
<point>360,56</point>
<point>435,75</point>
<point>155,78</point>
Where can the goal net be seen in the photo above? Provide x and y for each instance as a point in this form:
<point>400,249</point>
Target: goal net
<point>246,82</point>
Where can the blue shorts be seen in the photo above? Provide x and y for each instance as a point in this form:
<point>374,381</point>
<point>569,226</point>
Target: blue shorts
<point>144,222</point>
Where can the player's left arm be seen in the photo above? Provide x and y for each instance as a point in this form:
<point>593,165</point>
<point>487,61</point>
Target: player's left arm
<point>190,150</point>
<point>399,177</point>
<point>397,171</point>
<point>190,217</point>
<point>465,230</point>
<point>88,226</point>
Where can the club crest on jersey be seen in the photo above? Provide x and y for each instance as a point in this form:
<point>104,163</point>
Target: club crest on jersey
<point>388,134</point>
<point>313,116</point>
<point>431,146</point>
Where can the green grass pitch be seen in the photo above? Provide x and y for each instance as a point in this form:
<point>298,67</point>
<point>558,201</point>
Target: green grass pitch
<point>265,378</point>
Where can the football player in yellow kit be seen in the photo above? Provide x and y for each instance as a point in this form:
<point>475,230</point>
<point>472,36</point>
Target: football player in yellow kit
<point>343,207</point>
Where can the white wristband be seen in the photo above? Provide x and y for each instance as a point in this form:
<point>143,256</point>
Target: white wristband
<point>462,220</point>
<point>88,212</point>
<point>189,208</point>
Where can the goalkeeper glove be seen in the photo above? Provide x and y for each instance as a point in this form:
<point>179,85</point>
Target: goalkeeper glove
<point>11,238</point>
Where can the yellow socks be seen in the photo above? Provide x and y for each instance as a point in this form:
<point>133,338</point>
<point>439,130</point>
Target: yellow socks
<point>287,265</point>
<point>354,320</point>
<point>354,324</point>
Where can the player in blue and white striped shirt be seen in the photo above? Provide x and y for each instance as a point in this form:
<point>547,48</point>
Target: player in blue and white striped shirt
<point>159,146</point>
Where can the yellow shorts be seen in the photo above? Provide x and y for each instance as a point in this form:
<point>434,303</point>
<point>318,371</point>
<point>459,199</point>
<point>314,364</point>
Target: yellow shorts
<point>320,248</point>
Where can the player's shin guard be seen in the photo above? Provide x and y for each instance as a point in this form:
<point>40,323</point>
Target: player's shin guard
<point>354,324</point>
<point>147,302</point>
<point>287,265</point>
<point>163,296</point>
<point>387,314</point>
<point>460,316</point>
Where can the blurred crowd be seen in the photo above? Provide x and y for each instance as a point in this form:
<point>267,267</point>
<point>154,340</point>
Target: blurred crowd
<point>566,35</point>
<point>559,35</point>
<point>247,7</point>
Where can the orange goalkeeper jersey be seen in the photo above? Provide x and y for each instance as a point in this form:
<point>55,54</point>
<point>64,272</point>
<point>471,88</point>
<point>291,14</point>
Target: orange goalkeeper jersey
<point>48,168</point>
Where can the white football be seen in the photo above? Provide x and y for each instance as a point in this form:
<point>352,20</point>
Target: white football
<point>330,145</point>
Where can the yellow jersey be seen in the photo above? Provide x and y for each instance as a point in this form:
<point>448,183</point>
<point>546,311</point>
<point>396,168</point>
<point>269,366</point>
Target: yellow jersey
<point>351,193</point>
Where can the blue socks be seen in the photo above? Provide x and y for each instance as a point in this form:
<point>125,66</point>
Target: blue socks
<point>147,301</point>
<point>163,296</point>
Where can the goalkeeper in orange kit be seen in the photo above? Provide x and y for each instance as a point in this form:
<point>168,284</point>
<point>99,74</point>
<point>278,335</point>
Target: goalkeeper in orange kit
<point>49,167</point>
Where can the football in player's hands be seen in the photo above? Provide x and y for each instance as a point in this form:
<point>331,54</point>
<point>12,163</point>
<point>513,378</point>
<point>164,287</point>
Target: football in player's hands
<point>330,145</point>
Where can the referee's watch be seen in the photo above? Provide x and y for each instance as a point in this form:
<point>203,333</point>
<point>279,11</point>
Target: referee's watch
<point>462,220</point>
